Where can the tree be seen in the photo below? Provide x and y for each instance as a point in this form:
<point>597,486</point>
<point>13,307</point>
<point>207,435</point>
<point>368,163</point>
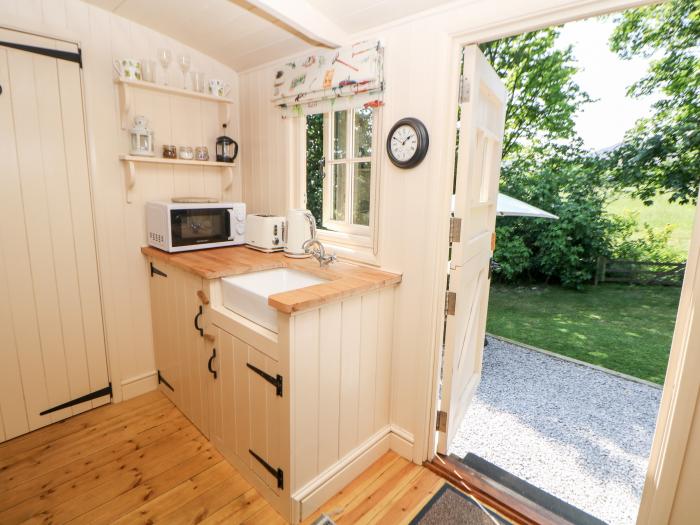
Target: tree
<point>542,94</point>
<point>662,152</point>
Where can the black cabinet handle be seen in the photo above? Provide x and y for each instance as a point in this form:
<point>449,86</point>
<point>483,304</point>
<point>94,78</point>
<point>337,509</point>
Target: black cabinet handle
<point>196,322</point>
<point>213,356</point>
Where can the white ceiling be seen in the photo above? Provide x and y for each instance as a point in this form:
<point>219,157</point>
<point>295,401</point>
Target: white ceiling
<point>241,36</point>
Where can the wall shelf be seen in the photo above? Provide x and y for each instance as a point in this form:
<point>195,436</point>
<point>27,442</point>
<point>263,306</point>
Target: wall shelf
<point>130,162</point>
<point>125,86</point>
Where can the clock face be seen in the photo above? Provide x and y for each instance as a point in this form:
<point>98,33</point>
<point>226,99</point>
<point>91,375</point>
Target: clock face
<point>407,143</point>
<point>404,143</point>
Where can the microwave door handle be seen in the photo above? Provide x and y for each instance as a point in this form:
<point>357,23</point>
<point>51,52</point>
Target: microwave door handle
<point>231,228</point>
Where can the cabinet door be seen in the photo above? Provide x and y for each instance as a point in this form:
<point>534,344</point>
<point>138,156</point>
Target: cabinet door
<point>180,351</point>
<point>246,409</point>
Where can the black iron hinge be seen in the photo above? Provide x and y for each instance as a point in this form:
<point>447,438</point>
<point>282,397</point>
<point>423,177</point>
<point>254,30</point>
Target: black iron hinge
<point>161,379</point>
<point>277,472</point>
<point>276,381</point>
<point>156,271</point>
<point>87,397</point>
<point>53,53</point>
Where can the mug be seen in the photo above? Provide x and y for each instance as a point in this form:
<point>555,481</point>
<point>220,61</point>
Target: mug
<point>218,87</point>
<point>128,68</point>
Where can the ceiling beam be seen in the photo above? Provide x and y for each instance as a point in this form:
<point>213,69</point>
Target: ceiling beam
<point>304,20</point>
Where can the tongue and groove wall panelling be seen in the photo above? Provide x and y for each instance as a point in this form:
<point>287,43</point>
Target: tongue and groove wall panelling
<point>120,226</point>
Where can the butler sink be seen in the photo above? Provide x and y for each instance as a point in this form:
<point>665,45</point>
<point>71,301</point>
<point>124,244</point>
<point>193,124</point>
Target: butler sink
<point>247,294</point>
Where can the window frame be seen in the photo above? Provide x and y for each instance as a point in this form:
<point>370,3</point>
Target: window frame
<point>345,230</point>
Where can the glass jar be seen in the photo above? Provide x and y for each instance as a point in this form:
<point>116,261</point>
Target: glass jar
<point>186,153</point>
<point>201,153</point>
<point>169,151</point>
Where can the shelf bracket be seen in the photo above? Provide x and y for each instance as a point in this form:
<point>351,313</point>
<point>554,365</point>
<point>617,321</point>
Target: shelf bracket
<point>225,113</point>
<point>129,179</point>
<point>228,179</point>
<point>125,104</point>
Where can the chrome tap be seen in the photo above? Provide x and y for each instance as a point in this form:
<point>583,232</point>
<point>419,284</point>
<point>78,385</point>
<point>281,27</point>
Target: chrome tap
<point>318,252</point>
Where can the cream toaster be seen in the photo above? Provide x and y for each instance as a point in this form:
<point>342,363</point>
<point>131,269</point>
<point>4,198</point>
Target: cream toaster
<point>265,232</point>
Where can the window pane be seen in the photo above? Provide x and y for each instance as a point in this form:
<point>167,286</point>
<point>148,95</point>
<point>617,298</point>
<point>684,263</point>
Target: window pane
<point>338,189</point>
<point>363,132</point>
<point>340,138</point>
<point>314,169</point>
<point>361,192</point>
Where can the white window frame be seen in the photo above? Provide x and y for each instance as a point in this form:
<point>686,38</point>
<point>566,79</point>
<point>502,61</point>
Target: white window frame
<point>350,241</point>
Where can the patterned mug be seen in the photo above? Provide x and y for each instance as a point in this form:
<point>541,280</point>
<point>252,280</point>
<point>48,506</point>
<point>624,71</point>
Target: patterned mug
<point>128,68</point>
<point>218,87</point>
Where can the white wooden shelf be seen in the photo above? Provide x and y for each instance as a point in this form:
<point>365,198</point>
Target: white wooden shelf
<point>130,162</point>
<point>126,85</point>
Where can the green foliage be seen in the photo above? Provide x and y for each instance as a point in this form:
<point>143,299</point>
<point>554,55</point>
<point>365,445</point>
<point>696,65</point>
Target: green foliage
<point>641,243</point>
<point>512,253</point>
<point>662,152</point>
<point>314,170</point>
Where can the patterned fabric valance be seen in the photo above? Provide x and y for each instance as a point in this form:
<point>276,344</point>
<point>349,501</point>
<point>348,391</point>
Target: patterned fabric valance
<point>330,79</point>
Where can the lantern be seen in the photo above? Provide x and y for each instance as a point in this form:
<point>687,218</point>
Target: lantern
<point>226,148</point>
<point>141,138</point>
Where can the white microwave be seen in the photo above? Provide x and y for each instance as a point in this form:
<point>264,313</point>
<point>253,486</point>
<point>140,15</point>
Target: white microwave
<point>180,227</point>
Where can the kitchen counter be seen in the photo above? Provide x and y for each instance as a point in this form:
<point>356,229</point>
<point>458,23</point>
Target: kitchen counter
<point>344,279</point>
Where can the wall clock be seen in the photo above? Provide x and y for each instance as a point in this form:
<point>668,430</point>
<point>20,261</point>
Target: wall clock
<point>407,143</point>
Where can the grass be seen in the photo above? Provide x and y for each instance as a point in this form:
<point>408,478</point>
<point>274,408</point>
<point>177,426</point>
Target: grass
<point>659,215</point>
<point>620,327</point>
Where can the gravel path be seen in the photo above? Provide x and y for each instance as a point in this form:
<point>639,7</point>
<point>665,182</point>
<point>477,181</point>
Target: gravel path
<point>581,434</point>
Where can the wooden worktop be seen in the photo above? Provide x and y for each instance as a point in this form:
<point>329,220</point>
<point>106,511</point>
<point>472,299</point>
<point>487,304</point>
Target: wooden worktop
<point>343,279</point>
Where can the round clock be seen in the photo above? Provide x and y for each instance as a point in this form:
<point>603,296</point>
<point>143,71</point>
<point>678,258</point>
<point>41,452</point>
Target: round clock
<point>407,143</point>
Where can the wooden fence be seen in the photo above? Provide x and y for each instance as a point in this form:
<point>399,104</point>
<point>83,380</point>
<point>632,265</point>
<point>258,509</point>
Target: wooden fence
<point>623,271</point>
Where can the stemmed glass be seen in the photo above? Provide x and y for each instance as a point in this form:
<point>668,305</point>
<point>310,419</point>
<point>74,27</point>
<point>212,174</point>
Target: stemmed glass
<point>184,62</point>
<point>165,57</point>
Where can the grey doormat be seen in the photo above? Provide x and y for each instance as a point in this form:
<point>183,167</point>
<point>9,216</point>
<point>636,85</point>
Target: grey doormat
<point>534,494</point>
<point>449,506</point>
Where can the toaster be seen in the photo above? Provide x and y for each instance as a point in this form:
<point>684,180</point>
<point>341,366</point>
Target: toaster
<point>264,232</point>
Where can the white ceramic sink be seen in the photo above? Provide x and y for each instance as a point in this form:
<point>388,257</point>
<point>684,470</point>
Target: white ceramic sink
<point>247,294</point>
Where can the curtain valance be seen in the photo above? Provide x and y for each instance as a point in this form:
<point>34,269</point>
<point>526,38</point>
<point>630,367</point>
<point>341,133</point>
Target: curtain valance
<point>330,79</point>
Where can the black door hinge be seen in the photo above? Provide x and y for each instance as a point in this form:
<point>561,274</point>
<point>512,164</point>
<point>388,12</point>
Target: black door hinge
<point>87,397</point>
<point>53,53</point>
<point>277,472</point>
<point>161,379</point>
<point>156,271</point>
<point>275,381</point>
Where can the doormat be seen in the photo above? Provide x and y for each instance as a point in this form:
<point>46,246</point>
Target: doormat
<point>449,506</point>
<point>540,497</point>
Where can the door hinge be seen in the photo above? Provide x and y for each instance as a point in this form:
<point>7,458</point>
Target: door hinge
<point>455,229</point>
<point>450,303</point>
<point>156,271</point>
<point>441,421</point>
<point>87,397</point>
<point>278,473</point>
<point>161,379</point>
<point>275,381</point>
<point>465,89</point>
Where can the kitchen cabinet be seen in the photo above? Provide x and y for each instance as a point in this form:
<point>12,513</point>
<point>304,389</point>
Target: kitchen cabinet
<point>299,412</point>
<point>178,339</point>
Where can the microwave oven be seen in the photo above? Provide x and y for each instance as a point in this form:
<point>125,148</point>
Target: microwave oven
<point>179,227</point>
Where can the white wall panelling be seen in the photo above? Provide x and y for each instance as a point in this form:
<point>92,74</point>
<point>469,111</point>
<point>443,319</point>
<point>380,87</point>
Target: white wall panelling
<point>175,120</point>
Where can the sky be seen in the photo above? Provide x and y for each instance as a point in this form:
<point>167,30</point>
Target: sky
<point>605,77</point>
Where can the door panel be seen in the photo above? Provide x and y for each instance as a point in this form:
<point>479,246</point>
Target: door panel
<point>478,169</point>
<point>53,347</point>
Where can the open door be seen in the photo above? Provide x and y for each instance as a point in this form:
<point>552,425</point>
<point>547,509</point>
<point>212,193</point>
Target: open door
<point>483,105</point>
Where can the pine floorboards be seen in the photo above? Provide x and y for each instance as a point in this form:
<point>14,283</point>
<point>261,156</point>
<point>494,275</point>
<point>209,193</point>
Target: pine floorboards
<point>142,461</point>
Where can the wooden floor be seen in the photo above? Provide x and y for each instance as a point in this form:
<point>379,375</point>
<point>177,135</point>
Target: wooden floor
<point>142,461</point>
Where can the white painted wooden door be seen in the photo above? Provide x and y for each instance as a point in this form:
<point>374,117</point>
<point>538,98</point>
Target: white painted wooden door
<point>52,347</point>
<point>478,169</point>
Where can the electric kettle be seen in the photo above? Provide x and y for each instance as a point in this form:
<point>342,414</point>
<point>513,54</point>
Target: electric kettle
<point>301,226</point>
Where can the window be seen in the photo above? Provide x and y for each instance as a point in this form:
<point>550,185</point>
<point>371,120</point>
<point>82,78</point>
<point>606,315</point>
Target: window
<point>340,168</point>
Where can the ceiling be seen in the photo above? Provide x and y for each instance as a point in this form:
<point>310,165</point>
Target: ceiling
<point>240,35</point>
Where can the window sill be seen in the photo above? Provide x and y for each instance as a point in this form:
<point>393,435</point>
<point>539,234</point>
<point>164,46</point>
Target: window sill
<point>349,247</point>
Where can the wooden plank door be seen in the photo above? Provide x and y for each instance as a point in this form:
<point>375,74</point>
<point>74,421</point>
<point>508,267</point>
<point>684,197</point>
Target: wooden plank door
<point>52,347</point>
<point>478,169</point>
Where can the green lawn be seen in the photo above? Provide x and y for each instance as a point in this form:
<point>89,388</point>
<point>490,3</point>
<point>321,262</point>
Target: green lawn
<point>659,215</point>
<point>621,327</point>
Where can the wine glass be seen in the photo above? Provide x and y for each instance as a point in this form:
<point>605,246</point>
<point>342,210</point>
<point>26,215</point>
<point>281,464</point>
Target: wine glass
<point>165,57</point>
<point>184,62</point>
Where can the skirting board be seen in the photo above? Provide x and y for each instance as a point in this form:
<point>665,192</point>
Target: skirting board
<point>315,493</point>
<point>137,385</point>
